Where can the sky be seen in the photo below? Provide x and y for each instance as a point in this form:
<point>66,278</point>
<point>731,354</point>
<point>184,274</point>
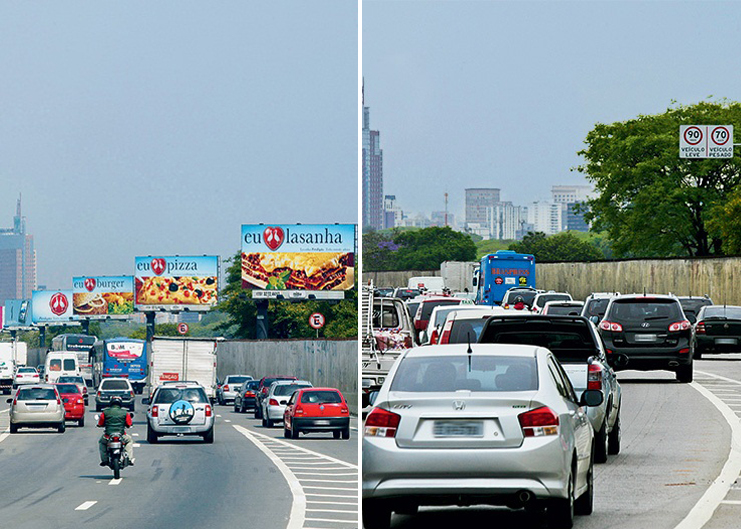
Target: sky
<point>503,93</point>
<point>159,128</point>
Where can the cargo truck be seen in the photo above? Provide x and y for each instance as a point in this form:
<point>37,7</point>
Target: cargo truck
<point>183,359</point>
<point>12,355</point>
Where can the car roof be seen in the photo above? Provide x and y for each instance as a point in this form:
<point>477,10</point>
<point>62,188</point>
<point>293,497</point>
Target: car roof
<point>306,390</point>
<point>289,382</point>
<point>645,296</point>
<point>477,348</point>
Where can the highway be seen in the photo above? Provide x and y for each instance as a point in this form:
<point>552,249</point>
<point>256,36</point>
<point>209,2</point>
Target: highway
<point>251,476</point>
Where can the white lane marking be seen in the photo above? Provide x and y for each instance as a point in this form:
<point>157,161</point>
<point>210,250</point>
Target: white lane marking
<point>135,434</point>
<point>328,480</point>
<point>330,510</point>
<point>328,496</point>
<point>331,502</point>
<point>703,510</point>
<point>297,515</point>
<point>227,420</point>
<point>115,481</point>
<point>218,415</point>
<point>325,474</point>
<point>136,445</point>
<point>731,502</point>
<point>325,520</point>
<point>328,488</point>
<point>85,506</point>
<point>306,450</point>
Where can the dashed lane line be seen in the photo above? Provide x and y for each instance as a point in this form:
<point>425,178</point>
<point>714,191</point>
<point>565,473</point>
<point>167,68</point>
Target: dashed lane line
<point>85,506</point>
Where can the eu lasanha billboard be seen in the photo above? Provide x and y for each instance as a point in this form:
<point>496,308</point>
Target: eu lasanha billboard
<point>298,257</point>
<point>176,282</point>
<point>102,296</point>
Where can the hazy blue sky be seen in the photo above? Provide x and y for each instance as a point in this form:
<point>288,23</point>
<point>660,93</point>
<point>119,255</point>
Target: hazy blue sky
<point>502,94</point>
<point>138,128</point>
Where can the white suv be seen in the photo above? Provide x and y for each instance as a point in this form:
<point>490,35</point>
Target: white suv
<point>179,408</point>
<point>274,404</point>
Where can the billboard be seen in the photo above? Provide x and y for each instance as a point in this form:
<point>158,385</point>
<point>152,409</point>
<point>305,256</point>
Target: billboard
<point>49,306</point>
<point>102,296</point>
<point>298,257</point>
<point>176,282</point>
<point>17,313</point>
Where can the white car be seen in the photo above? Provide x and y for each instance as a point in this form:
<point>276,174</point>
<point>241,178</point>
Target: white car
<point>229,389</point>
<point>274,404</point>
<point>431,335</point>
<point>26,375</point>
<point>544,297</point>
<point>36,406</point>
<point>179,408</point>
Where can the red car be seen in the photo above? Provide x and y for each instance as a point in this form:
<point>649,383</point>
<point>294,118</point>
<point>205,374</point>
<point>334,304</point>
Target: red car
<point>74,404</point>
<point>317,410</point>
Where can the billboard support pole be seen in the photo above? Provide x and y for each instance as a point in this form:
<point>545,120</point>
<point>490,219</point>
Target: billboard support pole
<point>150,327</point>
<point>261,330</point>
<point>85,322</point>
<point>42,336</point>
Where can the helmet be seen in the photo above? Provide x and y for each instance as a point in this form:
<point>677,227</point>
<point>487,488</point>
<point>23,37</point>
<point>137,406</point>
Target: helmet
<point>116,401</point>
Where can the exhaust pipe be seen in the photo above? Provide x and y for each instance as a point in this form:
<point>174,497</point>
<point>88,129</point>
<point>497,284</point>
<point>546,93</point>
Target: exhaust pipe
<point>524,497</point>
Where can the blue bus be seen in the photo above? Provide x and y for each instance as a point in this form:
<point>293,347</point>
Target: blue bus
<point>498,272</point>
<point>121,357</point>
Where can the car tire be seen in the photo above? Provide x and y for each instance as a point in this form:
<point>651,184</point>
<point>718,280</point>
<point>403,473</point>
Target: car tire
<point>698,354</point>
<point>584,504</point>
<point>208,437</point>
<point>294,433</point>
<point>236,409</point>
<point>613,441</point>
<point>684,373</point>
<point>61,427</point>
<point>98,408</point>
<point>346,433</point>
<point>601,442</point>
<point>376,515</point>
<point>13,428</point>
<point>264,423</point>
<point>561,511</point>
<point>258,414</point>
<point>81,422</point>
<point>151,435</point>
<point>336,434</point>
<point>269,423</point>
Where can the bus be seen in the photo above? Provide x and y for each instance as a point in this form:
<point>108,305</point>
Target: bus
<point>81,344</point>
<point>121,357</point>
<point>500,271</point>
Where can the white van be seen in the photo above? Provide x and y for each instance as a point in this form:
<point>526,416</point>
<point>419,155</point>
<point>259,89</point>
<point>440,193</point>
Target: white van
<point>60,363</point>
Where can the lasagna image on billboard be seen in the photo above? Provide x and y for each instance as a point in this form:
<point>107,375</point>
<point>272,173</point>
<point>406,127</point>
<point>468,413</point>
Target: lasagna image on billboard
<point>103,296</point>
<point>167,282</point>
<point>298,257</point>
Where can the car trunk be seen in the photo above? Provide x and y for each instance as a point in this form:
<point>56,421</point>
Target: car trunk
<point>715,327</point>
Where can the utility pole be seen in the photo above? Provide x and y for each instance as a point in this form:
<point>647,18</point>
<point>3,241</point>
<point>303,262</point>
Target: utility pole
<point>446,209</point>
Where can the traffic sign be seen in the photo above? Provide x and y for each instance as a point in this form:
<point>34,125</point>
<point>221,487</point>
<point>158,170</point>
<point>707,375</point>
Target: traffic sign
<point>183,328</point>
<point>316,320</point>
<point>706,141</point>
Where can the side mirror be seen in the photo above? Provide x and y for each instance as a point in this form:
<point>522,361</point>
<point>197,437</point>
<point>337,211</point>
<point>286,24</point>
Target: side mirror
<point>9,401</point>
<point>594,319</point>
<point>145,402</point>
<point>591,398</point>
<point>132,414</point>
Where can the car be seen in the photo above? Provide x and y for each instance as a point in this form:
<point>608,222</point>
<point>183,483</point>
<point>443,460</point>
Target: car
<point>717,330</point>
<point>73,402</point>
<point>544,297</point>
<point>317,410</point>
<point>230,387</point>
<point>494,424</point>
<point>60,363</point>
<point>26,375</point>
<point>262,391</point>
<point>406,294</point>
<point>179,408</point>
<point>576,344</point>
<point>79,380</point>
<point>438,316</point>
<point>526,293</point>
<point>278,395</point>
<point>118,387</point>
<point>425,307</point>
<point>245,397</point>
<point>36,406</point>
<point>383,292</point>
<point>648,332</point>
<point>566,308</point>
<point>464,326</point>
<point>596,304</point>
<point>692,305</point>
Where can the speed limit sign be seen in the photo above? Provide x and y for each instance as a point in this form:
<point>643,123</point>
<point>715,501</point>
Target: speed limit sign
<point>183,328</point>
<point>706,141</point>
<point>316,320</point>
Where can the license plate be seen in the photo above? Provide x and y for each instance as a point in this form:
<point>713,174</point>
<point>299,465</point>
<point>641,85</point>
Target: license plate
<point>726,341</point>
<point>645,337</point>
<point>321,422</point>
<point>459,429</point>
<point>181,429</point>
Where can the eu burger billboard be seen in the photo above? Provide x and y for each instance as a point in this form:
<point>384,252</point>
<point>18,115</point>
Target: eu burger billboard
<point>103,296</point>
<point>176,281</point>
<point>298,257</point>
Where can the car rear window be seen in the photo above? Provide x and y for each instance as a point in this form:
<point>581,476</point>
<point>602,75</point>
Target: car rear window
<point>566,346</point>
<point>237,380</point>
<point>453,373</point>
<point>69,364</point>
<point>466,330</point>
<point>596,307</point>
<point>68,388</point>
<point>55,364</point>
<point>639,310</point>
<point>287,389</point>
<point>427,306</point>
<point>114,385</point>
<point>253,384</point>
<point>170,395</point>
<point>70,380</point>
<point>36,394</point>
<point>26,370</point>
<point>731,313</point>
<point>321,397</point>
<point>556,310</point>
<point>527,296</point>
<point>545,298</point>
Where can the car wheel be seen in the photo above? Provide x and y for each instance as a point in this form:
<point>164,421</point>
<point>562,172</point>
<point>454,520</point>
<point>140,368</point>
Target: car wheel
<point>684,373</point>
<point>264,423</point>
<point>613,442</point>
<point>98,408</point>
<point>13,428</point>
<point>346,433</point>
<point>61,427</point>
<point>81,422</point>
<point>376,515</point>
<point>208,437</point>
<point>294,433</point>
<point>151,435</point>
<point>585,503</point>
<point>561,511</point>
<point>698,354</point>
<point>236,408</point>
<point>336,434</point>
<point>600,444</point>
<point>258,414</point>
<point>269,423</point>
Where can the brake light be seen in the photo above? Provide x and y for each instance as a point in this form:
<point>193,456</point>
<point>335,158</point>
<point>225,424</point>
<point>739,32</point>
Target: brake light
<point>445,337</point>
<point>272,402</point>
<point>249,394</point>
<point>700,329</point>
<point>344,410</point>
<point>684,351</point>
<point>680,326</point>
<point>434,336</point>
<point>539,422</point>
<point>226,388</point>
<point>80,401</point>
<point>610,326</point>
<point>381,423</point>
<point>132,394</point>
<point>208,410</point>
<point>155,411</point>
<point>594,377</point>
<point>299,410</point>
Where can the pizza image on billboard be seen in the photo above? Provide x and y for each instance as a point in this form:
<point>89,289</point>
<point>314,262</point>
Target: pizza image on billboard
<point>176,281</point>
<point>306,257</point>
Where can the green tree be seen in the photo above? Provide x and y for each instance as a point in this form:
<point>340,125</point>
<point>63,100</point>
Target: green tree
<point>560,247</point>
<point>651,202</point>
<point>726,223</point>
<point>422,249</point>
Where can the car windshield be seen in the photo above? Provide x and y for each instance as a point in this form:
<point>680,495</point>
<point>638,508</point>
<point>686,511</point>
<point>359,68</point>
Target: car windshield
<point>170,395</point>
<point>114,385</point>
<point>236,380</point>
<point>253,384</point>
<point>36,394</point>
<point>454,373</point>
<point>321,397</point>
<point>429,305</point>
<point>26,370</point>
<point>286,389</point>
<point>68,388</point>
<point>545,298</point>
<point>731,313</point>
<point>638,310</point>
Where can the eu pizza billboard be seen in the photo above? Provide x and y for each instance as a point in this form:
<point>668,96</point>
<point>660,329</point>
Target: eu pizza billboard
<point>175,282</point>
<point>298,257</point>
<point>102,296</point>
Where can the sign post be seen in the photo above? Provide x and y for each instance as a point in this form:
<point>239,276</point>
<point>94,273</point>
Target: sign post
<point>316,321</point>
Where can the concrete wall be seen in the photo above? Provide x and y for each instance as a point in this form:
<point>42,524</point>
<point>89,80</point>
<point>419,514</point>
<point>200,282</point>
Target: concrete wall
<point>329,363</point>
<point>396,279</point>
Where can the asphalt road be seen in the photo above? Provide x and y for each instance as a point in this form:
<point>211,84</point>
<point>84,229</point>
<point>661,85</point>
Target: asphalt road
<point>250,475</point>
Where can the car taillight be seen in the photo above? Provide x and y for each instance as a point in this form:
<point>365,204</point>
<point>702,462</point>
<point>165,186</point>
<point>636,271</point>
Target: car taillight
<point>381,423</point>
<point>226,388</point>
<point>610,326</point>
<point>272,402</point>
<point>208,410</point>
<point>506,305</point>
<point>700,329</point>
<point>155,411</point>
<point>132,394</point>
<point>594,377</point>
<point>684,351</point>
<point>433,336</point>
<point>299,410</point>
<point>539,422</point>
<point>680,326</point>
<point>344,410</point>
<point>99,393</point>
<point>80,401</point>
<point>249,394</point>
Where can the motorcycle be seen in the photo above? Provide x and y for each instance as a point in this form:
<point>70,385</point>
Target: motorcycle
<point>117,459</point>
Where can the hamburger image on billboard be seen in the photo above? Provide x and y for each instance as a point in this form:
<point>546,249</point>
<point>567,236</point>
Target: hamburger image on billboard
<point>298,257</point>
<point>103,295</point>
<point>162,282</point>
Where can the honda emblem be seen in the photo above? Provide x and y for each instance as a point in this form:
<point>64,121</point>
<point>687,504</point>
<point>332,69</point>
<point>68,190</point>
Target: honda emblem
<point>459,405</point>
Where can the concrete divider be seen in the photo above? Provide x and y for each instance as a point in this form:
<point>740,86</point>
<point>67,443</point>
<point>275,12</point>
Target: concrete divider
<point>328,363</point>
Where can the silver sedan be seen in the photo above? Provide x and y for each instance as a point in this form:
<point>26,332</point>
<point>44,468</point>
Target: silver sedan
<point>491,424</point>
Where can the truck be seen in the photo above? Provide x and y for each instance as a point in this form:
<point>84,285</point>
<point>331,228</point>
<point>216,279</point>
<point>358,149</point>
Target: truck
<point>429,283</point>
<point>12,355</point>
<point>500,271</point>
<point>183,359</point>
<point>458,275</point>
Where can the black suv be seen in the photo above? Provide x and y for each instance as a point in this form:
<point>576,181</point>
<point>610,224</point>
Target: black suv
<point>651,331</point>
<point>691,306</point>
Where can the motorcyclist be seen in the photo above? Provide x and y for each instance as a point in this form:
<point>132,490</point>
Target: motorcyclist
<point>115,419</point>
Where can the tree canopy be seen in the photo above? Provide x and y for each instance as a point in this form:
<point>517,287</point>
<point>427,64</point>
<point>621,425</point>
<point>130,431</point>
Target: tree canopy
<point>651,202</point>
<point>423,249</point>
<point>563,246</point>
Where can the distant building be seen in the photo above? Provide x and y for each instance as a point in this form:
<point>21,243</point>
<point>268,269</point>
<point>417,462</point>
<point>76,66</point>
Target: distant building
<point>568,197</point>
<point>441,219</point>
<point>546,217</point>
<point>392,213</point>
<point>505,221</point>
<point>373,216</point>
<point>478,203</point>
<point>17,260</point>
